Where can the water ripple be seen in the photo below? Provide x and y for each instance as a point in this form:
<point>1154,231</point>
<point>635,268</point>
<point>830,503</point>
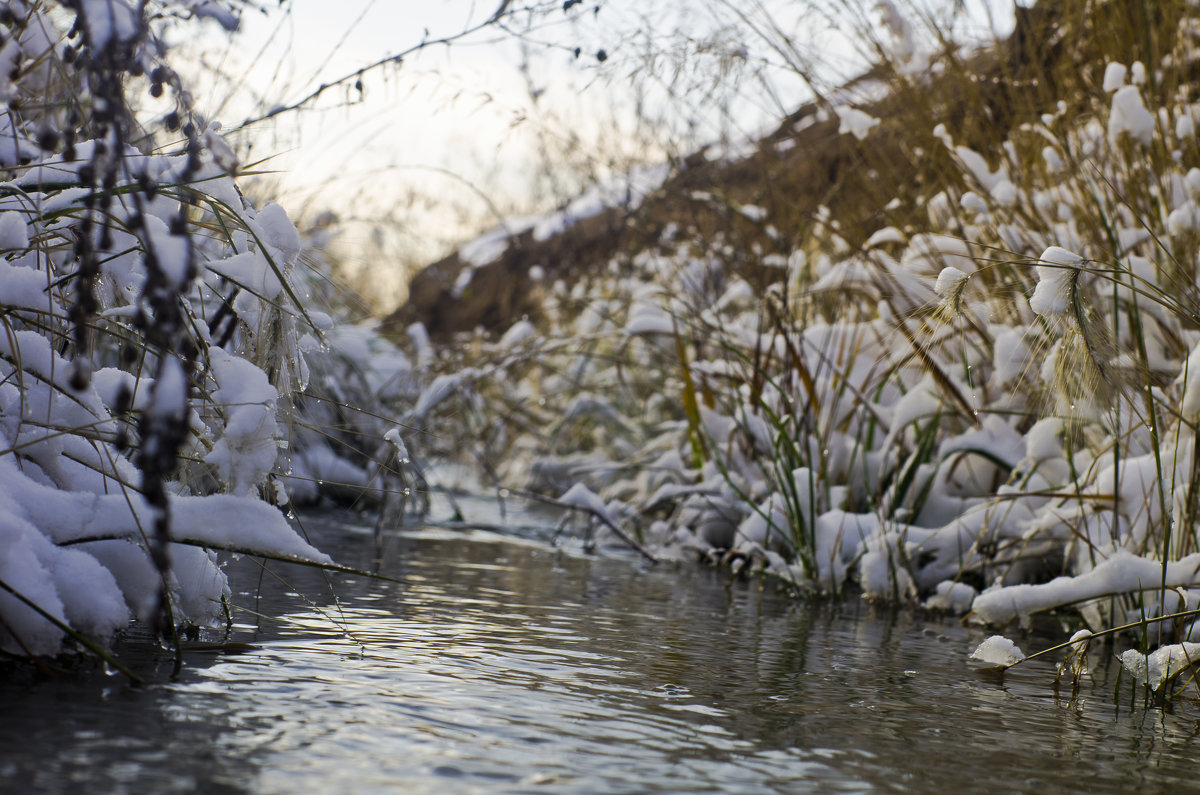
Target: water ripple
<point>504,667</point>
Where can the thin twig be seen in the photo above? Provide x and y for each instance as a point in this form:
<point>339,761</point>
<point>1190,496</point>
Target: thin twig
<point>357,74</point>
<point>1109,631</point>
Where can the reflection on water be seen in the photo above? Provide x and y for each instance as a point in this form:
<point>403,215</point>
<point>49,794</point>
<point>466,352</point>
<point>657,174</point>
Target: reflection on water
<point>497,665</point>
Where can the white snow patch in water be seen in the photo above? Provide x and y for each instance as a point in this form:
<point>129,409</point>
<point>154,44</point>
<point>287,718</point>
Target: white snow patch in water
<point>1160,666</point>
<point>998,651</point>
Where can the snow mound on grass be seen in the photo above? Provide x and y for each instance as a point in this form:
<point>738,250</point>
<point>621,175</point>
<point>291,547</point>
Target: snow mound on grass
<point>1124,572</point>
<point>79,557</point>
<point>1158,667</point>
<point>997,651</point>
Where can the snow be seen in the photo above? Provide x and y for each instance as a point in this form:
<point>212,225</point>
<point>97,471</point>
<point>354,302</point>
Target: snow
<point>518,334</point>
<point>14,234</point>
<point>1123,572</point>
<point>1044,440</point>
<point>951,597</point>
<point>928,254</point>
<point>919,404</point>
<point>1160,666</point>
<point>978,166</point>
<point>107,21</point>
<point>318,466</point>
<point>1114,77</point>
<point>441,388</point>
<point>581,496</point>
<point>649,319</point>
<point>172,252</point>
<point>24,288</point>
<point>949,280</point>
<point>1052,296</point>
<point>484,249</point>
<point>854,121</point>
<point>251,271</point>
<point>805,429</point>
<point>1005,193</point>
<point>220,150</point>
<point>9,54</point>
<point>888,234</point>
<point>767,524</point>
<point>1184,219</point>
<point>1010,355</point>
<point>828,447</point>
<point>626,191</point>
<point>838,536</point>
<point>1189,379</point>
<point>23,572</point>
<point>997,651</point>
<point>419,337</point>
<point>1130,117</point>
<point>881,570</point>
<point>245,453</point>
<point>98,586</point>
<point>1185,127</point>
<point>212,9</point>
<point>972,202</point>
<point>74,553</point>
<point>241,523</point>
<point>753,212</point>
<point>397,441</point>
<point>169,394</point>
<point>463,281</point>
<point>902,49</point>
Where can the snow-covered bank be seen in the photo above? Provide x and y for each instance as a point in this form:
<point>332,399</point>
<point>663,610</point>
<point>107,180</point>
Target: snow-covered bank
<point>154,322</point>
<point>988,406</point>
<point>989,410</point>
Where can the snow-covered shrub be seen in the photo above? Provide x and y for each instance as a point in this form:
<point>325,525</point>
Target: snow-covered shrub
<point>152,322</point>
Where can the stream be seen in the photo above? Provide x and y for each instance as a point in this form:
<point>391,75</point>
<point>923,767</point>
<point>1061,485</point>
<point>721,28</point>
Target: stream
<point>497,663</point>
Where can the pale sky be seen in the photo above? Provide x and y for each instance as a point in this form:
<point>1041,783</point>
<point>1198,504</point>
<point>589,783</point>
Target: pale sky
<point>432,150</point>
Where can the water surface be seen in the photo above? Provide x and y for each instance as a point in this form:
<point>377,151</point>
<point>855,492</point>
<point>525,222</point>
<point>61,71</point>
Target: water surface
<point>495,664</point>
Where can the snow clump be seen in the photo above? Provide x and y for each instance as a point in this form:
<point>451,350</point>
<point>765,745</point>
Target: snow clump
<point>998,652</point>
